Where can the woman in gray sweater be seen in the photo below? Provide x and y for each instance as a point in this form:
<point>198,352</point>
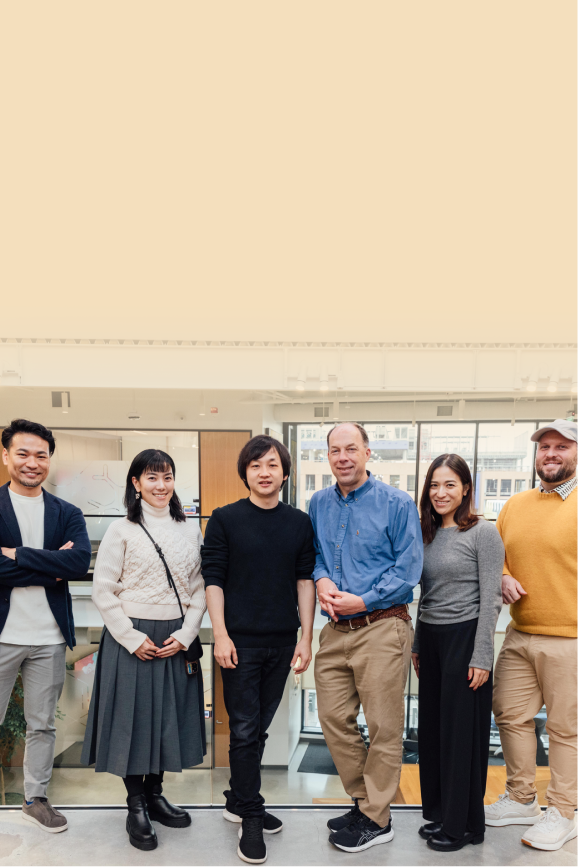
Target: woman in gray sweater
<point>453,655</point>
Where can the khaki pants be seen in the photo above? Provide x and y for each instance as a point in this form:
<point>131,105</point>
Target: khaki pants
<point>533,670</point>
<point>368,666</point>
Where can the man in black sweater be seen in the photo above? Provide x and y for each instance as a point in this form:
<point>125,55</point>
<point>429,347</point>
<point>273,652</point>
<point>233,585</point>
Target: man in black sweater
<point>257,562</point>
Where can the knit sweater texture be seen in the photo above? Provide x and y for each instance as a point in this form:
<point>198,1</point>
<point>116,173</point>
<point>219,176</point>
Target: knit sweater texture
<point>130,579</point>
<point>539,535</point>
<point>462,580</point>
<point>257,556</point>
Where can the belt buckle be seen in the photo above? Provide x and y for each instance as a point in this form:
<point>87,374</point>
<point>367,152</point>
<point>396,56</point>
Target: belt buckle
<point>355,627</point>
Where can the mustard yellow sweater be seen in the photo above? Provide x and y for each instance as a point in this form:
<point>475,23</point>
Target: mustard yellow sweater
<point>539,535</point>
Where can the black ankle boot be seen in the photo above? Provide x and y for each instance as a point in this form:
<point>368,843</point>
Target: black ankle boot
<point>161,811</point>
<point>426,831</point>
<point>141,833</point>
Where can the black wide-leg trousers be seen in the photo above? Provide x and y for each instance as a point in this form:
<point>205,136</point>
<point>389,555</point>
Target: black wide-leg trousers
<point>454,729</point>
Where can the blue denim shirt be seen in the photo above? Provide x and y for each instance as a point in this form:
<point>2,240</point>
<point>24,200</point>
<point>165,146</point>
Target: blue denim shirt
<point>369,543</point>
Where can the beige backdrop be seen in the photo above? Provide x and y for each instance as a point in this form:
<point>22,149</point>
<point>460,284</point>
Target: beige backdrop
<point>309,170</point>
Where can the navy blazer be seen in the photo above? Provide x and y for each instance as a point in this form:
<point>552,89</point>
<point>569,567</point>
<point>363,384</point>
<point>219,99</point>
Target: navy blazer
<point>40,567</point>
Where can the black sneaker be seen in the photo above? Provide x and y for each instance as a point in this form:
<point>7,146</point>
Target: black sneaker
<point>343,821</point>
<point>251,844</point>
<point>271,824</point>
<point>361,834</point>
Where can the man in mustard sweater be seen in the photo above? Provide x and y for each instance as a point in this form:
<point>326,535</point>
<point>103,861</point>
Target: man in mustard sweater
<point>537,662</point>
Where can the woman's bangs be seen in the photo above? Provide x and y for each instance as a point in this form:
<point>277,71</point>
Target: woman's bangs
<point>158,466</point>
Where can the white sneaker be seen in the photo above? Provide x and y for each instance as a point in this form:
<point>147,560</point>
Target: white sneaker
<point>551,831</point>
<point>505,811</point>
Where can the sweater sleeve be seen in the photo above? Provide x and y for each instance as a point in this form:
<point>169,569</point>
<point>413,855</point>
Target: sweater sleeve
<point>417,628</point>
<point>215,552</point>
<point>106,587</point>
<point>306,557</point>
<point>490,550</point>
<point>197,606</point>
<point>500,529</point>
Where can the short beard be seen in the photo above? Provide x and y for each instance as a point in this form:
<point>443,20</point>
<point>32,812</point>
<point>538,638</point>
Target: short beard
<point>28,484</point>
<point>565,472</point>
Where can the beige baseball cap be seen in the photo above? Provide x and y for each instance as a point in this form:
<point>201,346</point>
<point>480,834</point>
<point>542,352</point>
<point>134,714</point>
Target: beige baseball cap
<point>568,429</point>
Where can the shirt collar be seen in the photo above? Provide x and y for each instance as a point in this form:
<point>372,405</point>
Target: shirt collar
<point>565,489</point>
<point>358,492</point>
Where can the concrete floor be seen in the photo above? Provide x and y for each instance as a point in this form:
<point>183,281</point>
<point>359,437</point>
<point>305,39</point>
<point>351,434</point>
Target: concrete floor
<point>98,837</point>
<point>82,786</point>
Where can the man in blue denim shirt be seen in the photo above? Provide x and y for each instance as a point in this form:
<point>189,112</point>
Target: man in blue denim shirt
<point>369,558</point>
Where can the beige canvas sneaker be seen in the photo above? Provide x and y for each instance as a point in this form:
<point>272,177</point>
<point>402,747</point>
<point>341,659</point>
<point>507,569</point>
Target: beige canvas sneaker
<point>43,814</point>
<point>505,811</point>
<point>551,832</point>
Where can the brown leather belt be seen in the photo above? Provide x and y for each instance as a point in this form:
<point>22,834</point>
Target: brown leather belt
<point>400,611</point>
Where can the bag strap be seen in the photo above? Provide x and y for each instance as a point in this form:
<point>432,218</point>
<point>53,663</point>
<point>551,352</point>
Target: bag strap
<point>167,570</point>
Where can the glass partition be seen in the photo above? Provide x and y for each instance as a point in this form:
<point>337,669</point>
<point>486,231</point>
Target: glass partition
<point>438,438</point>
<point>503,455</point>
<point>504,466</point>
<point>89,468</point>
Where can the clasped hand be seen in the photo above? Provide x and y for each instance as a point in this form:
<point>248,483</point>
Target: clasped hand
<point>477,676</point>
<point>149,650</point>
<point>335,601</point>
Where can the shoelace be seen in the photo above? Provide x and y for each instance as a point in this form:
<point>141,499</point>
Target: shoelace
<point>503,797</point>
<point>549,818</point>
<point>253,829</point>
<point>361,822</point>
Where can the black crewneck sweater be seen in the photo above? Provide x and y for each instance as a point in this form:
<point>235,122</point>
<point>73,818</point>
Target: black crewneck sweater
<point>256,556</point>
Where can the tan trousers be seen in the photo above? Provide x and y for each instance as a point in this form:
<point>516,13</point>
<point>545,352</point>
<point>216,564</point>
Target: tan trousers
<point>368,666</point>
<point>533,670</point>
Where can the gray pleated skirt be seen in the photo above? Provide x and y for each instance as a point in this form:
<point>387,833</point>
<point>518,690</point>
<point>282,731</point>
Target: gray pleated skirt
<point>145,716</point>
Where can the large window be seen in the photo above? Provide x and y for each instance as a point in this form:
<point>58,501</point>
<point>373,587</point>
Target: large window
<point>505,458</point>
<point>500,458</point>
<point>439,438</point>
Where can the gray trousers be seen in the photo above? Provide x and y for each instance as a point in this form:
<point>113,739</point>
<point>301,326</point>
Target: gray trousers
<point>43,672</point>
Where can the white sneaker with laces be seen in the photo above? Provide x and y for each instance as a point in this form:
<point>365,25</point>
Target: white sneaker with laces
<point>551,831</point>
<point>505,811</point>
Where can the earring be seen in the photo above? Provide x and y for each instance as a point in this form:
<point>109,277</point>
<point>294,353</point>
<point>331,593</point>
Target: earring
<point>138,495</point>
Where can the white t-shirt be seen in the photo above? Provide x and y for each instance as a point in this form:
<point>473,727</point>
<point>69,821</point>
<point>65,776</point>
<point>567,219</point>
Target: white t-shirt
<point>30,619</point>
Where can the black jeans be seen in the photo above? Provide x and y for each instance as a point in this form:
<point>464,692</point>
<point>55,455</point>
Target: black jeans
<point>454,729</point>
<point>252,693</point>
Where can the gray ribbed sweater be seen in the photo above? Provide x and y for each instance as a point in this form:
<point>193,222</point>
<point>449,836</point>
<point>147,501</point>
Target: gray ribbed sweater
<point>461,580</point>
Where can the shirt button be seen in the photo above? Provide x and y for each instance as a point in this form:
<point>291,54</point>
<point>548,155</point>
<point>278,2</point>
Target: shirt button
<point>337,567</point>
<point>338,546</point>
<point>343,525</point>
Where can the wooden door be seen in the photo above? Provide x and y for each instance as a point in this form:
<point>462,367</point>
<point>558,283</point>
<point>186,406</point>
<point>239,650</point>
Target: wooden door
<point>220,485</point>
<point>4,477</point>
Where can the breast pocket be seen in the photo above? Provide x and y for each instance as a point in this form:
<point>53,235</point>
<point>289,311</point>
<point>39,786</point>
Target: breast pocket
<point>364,545</point>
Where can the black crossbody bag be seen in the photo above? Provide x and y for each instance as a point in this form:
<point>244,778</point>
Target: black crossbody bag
<point>195,651</point>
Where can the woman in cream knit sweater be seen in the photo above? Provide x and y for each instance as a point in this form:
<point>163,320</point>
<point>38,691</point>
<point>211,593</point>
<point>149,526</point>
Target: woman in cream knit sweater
<point>146,714</point>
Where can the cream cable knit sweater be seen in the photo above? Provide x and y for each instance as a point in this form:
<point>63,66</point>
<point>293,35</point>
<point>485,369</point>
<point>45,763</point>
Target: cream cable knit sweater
<point>130,579</point>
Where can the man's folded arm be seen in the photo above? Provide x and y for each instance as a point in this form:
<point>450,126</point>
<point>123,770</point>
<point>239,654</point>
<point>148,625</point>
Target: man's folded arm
<point>12,574</point>
<point>68,565</point>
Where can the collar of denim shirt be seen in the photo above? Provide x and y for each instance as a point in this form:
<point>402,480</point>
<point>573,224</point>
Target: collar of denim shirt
<point>358,492</point>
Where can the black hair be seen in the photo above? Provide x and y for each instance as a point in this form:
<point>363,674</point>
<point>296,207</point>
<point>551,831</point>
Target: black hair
<point>255,449</point>
<point>158,462</point>
<point>22,425</point>
<point>465,516</point>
